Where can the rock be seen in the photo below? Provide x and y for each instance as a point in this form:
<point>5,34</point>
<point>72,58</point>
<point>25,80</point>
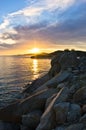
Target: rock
<point>48,120</point>
<point>36,84</point>
<point>52,83</point>
<point>60,128</point>
<point>78,126</point>
<point>24,128</point>
<point>55,69</point>
<point>63,97</point>
<point>8,126</point>
<point>31,103</point>
<point>68,59</point>
<point>83,119</point>
<point>80,95</point>
<point>62,77</point>
<point>74,113</point>
<point>61,111</point>
<point>84,109</point>
<point>32,119</point>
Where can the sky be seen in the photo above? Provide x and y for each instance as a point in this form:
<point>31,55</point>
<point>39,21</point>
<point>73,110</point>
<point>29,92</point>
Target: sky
<point>45,24</point>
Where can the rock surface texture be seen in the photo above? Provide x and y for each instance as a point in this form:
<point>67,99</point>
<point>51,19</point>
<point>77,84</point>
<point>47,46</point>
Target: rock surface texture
<point>57,101</point>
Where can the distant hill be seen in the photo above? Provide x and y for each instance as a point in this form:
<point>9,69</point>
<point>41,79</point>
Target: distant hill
<point>59,52</point>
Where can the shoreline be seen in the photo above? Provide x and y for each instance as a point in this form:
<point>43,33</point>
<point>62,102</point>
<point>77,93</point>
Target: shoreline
<point>55,101</point>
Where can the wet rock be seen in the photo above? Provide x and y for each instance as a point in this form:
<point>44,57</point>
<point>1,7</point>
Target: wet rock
<point>36,84</point>
<point>61,111</point>
<point>74,113</point>
<point>78,126</point>
<point>80,95</point>
<point>32,119</point>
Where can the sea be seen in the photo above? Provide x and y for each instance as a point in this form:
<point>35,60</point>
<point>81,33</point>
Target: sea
<point>16,72</point>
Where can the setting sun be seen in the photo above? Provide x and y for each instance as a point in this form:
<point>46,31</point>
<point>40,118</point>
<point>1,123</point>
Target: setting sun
<point>35,50</point>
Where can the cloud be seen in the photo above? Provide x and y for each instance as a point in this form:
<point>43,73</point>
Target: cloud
<point>58,22</point>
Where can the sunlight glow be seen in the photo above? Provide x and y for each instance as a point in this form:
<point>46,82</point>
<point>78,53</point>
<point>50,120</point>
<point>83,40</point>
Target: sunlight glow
<point>35,51</point>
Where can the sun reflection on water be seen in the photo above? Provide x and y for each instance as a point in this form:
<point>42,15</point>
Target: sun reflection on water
<point>35,68</point>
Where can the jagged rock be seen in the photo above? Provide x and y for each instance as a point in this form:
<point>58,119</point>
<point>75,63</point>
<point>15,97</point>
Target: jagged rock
<point>48,120</point>
<point>80,95</point>
<point>83,119</point>
<point>74,113</point>
<point>32,119</point>
<point>78,126</point>
<point>8,126</point>
<point>61,111</point>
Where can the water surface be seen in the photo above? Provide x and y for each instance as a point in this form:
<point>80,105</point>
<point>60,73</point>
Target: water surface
<point>16,72</point>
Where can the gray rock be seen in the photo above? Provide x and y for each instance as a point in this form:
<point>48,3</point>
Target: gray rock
<point>60,128</point>
<point>68,59</point>
<point>74,113</point>
<point>80,95</point>
<point>48,120</point>
<point>58,79</point>
<point>78,126</point>
<point>34,102</point>
<point>24,128</point>
<point>61,111</point>
<point>8,126</point>
<point>32,119</point>
<point>55,69</point>
<point>83,119</point>
<point>84,108</point>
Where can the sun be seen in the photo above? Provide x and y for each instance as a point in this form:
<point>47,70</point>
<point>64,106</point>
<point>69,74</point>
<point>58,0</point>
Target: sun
<point>35,50</point>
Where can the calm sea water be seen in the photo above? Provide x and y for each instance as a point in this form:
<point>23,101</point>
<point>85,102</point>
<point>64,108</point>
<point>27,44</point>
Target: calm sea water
<point>16,72</point>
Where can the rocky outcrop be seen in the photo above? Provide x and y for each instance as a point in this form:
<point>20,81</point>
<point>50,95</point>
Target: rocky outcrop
<point>57,101</point>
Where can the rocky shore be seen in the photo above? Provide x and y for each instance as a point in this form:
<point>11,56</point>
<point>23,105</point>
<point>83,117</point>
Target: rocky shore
<point>56,101</point>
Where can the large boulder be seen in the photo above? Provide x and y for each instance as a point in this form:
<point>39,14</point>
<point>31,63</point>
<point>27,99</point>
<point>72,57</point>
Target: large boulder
<point>61,111</point>
<point>74,113</point>
<point>30,88</point>
<point>78,126</point>
<point>80,96</point>
<point>52,83</point>
<point>32,119</point>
